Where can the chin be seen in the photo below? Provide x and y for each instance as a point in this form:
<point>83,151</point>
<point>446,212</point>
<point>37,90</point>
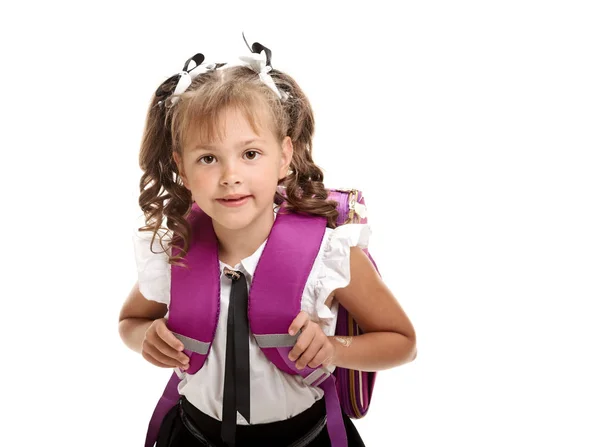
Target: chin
<point>235,219</point>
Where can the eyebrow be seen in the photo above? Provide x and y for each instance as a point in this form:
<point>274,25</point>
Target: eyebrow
<point>209,147</point>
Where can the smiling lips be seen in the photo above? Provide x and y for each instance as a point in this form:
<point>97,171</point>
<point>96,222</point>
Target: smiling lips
<point>234,197</point>
<point>234,200</point>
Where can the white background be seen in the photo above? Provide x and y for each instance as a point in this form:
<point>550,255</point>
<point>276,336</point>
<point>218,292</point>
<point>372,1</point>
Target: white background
<point>472,128</point>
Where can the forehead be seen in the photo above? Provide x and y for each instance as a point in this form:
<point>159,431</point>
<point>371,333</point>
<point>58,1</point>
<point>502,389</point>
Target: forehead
<point>234,121</point>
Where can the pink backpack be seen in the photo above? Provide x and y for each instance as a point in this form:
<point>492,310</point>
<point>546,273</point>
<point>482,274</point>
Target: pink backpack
<point>354,387</point>
<point>193,315</point>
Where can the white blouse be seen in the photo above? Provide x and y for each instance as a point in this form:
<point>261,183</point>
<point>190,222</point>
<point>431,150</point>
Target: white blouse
<point>274,395</point>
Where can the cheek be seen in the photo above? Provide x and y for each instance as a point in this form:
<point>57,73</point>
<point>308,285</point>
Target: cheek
<point>200,179</point>
<point>268,175</point>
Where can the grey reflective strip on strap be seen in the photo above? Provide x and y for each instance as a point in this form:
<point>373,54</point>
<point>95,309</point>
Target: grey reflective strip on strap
<point>317,377</point>
<point>277,340</point>
<point>196,346</point>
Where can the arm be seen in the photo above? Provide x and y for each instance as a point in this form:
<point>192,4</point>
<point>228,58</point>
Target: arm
<point>389,339</point>
<point>143,328</point>
<point>137,314</point>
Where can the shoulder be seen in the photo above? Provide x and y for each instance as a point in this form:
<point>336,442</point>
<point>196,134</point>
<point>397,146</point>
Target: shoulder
<point>340,239</point>
<point>333,261</point>
<point>331,269</point>
<point>152,262</point>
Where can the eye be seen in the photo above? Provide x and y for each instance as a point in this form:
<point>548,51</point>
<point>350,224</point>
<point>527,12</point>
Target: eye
<point>252,155</point>
<point>206,160</point>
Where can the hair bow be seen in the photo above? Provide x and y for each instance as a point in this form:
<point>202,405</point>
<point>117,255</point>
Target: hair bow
<point>259,61</point>
<point>186,76</point>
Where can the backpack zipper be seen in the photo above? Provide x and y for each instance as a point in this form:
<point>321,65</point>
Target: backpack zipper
<point>351,196</point>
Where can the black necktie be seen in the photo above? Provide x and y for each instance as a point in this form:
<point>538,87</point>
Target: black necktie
<point>236,392</point>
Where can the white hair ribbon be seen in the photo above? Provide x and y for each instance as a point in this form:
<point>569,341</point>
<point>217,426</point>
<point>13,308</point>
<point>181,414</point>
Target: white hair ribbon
<point>259,61</point>
<point>188,75</point>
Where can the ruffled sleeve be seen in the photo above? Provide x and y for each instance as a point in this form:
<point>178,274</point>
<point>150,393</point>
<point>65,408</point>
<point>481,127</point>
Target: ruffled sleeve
<point>154,270</point>
<point>333,267</point>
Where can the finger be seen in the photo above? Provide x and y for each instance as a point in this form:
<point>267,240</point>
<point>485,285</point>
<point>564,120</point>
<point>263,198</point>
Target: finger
<point>309,354</point>
<point>155,353</point>
<point>303,342</point>
<point>323,358</point>
<point>152,360</point>
<point>146,355</point>
<point>167,336</point>
<point>157,342</point>
<point>299,322</point>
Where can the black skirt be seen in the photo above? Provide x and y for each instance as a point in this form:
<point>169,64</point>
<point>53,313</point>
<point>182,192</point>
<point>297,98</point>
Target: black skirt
<point>185,426</point>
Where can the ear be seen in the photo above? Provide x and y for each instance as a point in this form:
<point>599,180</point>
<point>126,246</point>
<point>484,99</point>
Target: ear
<point>286,157</point>
<point>179,164</point>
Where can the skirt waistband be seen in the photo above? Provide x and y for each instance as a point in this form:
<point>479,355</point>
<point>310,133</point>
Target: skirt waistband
<point>297,431</point>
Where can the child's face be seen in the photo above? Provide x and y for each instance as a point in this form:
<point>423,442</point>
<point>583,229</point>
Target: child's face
<point>243,164</point>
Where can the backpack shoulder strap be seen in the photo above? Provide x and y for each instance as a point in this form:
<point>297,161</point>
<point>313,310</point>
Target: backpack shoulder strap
<point>280,277</point>
<point>195,289</point>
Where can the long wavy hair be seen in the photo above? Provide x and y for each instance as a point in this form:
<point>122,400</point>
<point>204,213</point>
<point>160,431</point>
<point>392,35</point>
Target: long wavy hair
<point>164,199</point>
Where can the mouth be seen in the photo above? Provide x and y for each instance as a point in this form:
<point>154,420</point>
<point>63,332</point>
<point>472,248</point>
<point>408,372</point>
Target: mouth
<point>233,200</point>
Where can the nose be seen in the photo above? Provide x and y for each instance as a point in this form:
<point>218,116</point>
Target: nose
<point>230,175</point>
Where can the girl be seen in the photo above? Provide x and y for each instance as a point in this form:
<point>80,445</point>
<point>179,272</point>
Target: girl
<point>235,140</point>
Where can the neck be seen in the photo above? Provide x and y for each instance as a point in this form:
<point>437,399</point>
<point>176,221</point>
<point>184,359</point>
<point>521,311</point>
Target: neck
<point>235,245</point>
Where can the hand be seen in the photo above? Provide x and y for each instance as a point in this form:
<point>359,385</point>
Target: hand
<point>161,348</point>
<point>313,347</point>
